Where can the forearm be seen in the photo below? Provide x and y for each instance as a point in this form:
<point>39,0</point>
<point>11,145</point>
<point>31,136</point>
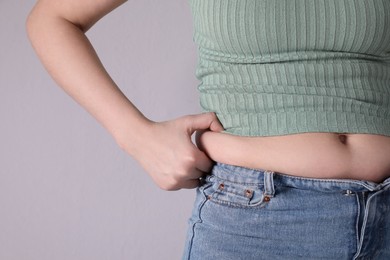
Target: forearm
<point>70,59</point>
<point>164,149</point>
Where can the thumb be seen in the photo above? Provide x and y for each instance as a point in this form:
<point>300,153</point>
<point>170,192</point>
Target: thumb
<point>205,121</point>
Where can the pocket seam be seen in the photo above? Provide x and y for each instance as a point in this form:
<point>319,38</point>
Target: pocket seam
<point>212,196</point>
<point>261,204</point>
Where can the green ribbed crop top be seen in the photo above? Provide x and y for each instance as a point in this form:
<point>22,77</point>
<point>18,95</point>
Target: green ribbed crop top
<point>277,67</point>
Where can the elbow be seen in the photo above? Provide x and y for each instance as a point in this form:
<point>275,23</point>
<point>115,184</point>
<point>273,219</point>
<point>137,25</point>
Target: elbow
<point>30,23</point>
<point>44,31</point>
<point>36,23</point>
<point>81,15</point>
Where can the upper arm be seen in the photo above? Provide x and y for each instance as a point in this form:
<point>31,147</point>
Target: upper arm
<point>83,13</point>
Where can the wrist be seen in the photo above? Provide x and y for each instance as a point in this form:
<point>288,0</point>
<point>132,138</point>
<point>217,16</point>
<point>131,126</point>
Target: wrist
<point>131,135</point>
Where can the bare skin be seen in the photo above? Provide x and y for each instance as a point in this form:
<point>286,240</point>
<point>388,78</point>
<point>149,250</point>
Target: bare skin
<point>164,149</point>
<point>315,155</point>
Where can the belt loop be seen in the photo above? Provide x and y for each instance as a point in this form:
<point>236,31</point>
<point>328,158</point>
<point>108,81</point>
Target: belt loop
<point>269,189</point>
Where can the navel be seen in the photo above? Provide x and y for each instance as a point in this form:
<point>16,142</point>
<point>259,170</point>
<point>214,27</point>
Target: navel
<point>343,138</point>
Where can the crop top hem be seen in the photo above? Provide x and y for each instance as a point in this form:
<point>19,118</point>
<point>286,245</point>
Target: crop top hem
<point>273,124</point>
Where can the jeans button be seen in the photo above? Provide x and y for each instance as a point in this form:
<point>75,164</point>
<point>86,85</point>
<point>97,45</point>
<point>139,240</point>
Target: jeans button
<point>267,199</point>
<point>348,193</point>
<point>248,193</point>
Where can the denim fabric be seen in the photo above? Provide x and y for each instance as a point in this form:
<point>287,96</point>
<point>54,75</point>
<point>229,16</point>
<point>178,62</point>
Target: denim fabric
<point>243,213</point>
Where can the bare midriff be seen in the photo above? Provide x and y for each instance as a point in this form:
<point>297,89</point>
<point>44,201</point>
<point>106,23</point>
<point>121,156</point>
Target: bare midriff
<point>313,155</point>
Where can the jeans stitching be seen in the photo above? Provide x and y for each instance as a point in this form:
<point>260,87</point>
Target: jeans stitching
<point>366,184</point>
<point>365,220</point>
<point>198,221</point>
<point>357,227</point>
<point>260,204</point>
<point>213,196</point>
<point>256,184</point>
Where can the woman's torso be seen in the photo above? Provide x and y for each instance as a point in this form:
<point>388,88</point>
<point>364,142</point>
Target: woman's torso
<point>315,155</point>
<point>294,74</point>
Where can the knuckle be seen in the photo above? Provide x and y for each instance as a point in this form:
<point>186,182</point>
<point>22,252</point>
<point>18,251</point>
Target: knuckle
<point>170,185</point>
<point>191,157</point>
<point>165,187</point>
<point>189,161</point>
<point>181,173</point>
<point>210,115</point>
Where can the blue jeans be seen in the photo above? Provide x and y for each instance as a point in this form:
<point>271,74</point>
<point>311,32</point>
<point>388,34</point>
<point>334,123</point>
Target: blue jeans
<point>243,213</point>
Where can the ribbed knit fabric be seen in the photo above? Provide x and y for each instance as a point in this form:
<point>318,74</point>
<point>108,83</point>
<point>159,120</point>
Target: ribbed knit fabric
<point>276,67</point>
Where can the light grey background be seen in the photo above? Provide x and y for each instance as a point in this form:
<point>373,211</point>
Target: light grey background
<point>67,191</point>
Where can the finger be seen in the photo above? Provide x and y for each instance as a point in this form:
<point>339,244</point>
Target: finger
<point>194,174</point>
<point>198,142</point>
<point>204,121</point>
<point>216,125</point>
<point>190,184</point>
<point>203,162</point>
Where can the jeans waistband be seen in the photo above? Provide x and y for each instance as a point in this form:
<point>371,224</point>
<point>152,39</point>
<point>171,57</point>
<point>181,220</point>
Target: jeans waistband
<point>239,174</point>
